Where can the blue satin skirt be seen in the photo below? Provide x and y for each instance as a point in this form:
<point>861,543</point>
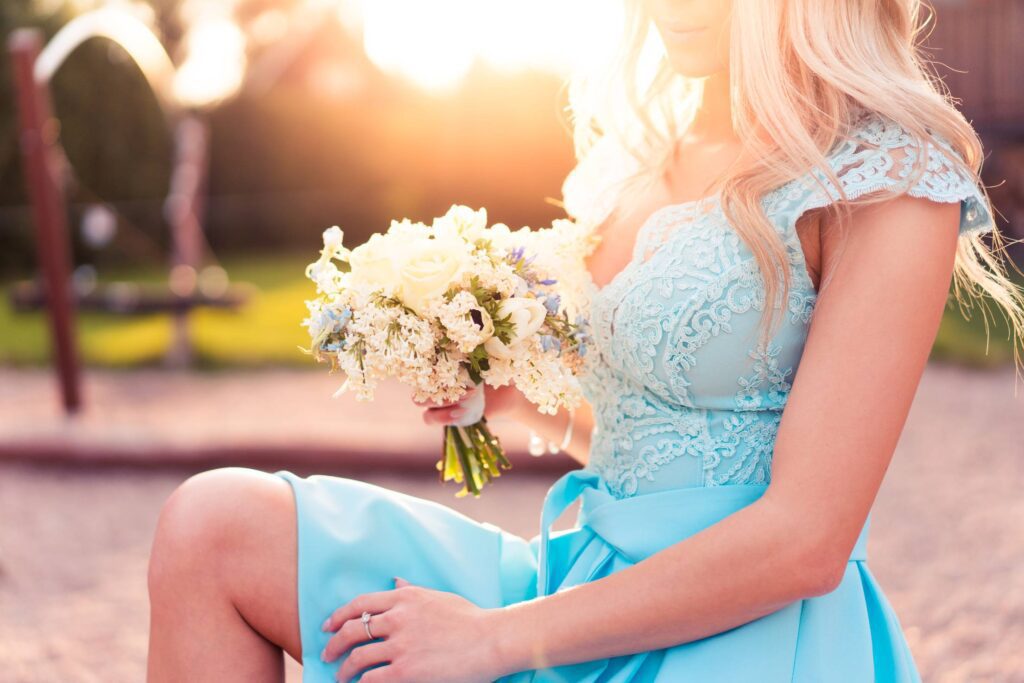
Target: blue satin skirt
<point>354,537</point>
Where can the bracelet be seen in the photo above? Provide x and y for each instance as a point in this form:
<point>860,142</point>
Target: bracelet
<point>537,447</point>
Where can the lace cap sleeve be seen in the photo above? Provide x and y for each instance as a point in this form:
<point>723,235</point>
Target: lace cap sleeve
<point>882,155</point>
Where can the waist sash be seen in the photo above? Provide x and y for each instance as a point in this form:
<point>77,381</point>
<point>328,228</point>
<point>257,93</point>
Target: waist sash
<point>639,526</point>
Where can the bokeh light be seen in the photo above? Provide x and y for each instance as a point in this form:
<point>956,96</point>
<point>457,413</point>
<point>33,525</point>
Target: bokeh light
<point>214,64</point>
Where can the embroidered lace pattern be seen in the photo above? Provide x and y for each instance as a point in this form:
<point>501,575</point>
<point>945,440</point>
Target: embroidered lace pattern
<point>683,394</point>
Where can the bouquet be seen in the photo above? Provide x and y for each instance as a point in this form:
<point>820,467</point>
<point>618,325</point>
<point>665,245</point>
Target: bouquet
<point>446,307</point>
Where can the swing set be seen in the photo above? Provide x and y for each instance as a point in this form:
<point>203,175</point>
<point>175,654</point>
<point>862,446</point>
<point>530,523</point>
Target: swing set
<point>49,176</point>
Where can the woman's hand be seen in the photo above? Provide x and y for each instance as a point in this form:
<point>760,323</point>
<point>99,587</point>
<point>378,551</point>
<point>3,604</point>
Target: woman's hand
<point>421,635</point>
<point>504,400</point>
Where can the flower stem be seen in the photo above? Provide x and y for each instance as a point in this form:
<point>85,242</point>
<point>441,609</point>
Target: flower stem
<point>471,456</point>
<point>468,474</point>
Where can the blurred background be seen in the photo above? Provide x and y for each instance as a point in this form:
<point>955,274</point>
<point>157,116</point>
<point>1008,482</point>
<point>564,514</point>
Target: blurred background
<point>198,149</point>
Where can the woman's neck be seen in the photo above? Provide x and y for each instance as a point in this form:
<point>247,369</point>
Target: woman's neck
<point>713,119</point>
<point>709,150</point>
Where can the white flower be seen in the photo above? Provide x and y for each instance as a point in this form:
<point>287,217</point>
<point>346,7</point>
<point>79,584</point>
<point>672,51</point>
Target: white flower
<point>459,318</point>
<point>499,233</point>
<point>325,274</point>
<point>497,349</point>
<point>407,229</point>
<point>527,316</point>
<point>488,324</point>
<point>461,221</point>
<point>333,237</point>
<point>374,263</point>
<point>428,269</point>
<point>425,345</point>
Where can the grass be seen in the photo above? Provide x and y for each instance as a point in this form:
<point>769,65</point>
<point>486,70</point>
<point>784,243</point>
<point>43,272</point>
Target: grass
<point>966,341</point>
<point>267,332</point>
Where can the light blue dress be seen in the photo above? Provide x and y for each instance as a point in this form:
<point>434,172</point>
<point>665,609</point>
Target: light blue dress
<point>687,408</point>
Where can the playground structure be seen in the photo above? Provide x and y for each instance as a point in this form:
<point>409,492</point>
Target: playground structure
<point>49,175</point>
<point>975,37</point>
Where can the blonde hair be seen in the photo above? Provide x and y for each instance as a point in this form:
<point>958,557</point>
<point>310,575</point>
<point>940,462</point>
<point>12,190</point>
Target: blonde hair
<point>807,67</point>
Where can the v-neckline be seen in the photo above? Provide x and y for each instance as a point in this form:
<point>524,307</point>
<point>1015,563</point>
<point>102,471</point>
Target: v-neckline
<point>595,289</point>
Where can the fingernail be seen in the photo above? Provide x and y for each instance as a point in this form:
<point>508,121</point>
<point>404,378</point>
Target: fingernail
<point>326,625</point>
<point>323,656</point>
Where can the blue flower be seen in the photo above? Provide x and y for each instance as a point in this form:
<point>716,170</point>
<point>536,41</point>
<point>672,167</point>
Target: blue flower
<point>582,331</point>
<point>339,320</point>
<point>552,302</point>
<point>548,342</point>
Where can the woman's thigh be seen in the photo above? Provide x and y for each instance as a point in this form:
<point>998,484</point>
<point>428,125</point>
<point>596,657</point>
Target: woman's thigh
<point>244,520</point>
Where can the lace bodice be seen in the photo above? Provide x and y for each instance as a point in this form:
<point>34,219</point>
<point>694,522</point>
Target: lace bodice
<point>683,395</point>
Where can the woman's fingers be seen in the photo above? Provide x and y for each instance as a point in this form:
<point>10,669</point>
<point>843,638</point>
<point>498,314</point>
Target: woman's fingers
<point>353,633</point>
<point>447,413</point>
<point>375,602</point>
<point>363,657</point>
<point>442,416</point>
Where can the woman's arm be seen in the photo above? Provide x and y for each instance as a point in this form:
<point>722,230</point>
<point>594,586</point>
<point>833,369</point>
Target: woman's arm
<point>553,427</point>
<point>870,337</point>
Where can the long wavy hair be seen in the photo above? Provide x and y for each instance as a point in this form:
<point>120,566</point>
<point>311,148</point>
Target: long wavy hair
<point>800,70</point>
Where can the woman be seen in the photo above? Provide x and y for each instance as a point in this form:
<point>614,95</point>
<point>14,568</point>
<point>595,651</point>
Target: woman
<point>720,538</point>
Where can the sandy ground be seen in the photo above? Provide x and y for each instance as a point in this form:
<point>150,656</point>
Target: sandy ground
<point>946,544</point>
<point>272,414</point>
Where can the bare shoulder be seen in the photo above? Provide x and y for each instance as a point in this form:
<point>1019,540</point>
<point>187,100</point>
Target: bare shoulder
<point>903,237</point>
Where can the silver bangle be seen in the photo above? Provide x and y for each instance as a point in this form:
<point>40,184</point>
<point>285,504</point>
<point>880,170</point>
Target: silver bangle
<point>537,447</point>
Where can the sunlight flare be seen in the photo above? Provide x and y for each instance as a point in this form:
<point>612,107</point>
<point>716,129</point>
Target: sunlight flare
<point>215,57</point>
<point>435,44</point>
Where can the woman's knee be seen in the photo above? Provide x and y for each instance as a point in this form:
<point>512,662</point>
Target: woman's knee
<point>213,516</point>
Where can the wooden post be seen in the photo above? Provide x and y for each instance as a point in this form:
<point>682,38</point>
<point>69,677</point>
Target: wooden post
<point>183,210</point>
<point>38,132</point>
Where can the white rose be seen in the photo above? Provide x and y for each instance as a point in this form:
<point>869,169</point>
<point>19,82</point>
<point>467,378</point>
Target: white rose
<point>375,263</point>
<point>527,315</point>
<point>428,269</point>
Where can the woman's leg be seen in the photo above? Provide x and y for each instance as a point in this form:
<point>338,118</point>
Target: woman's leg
<point>222,580</point>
